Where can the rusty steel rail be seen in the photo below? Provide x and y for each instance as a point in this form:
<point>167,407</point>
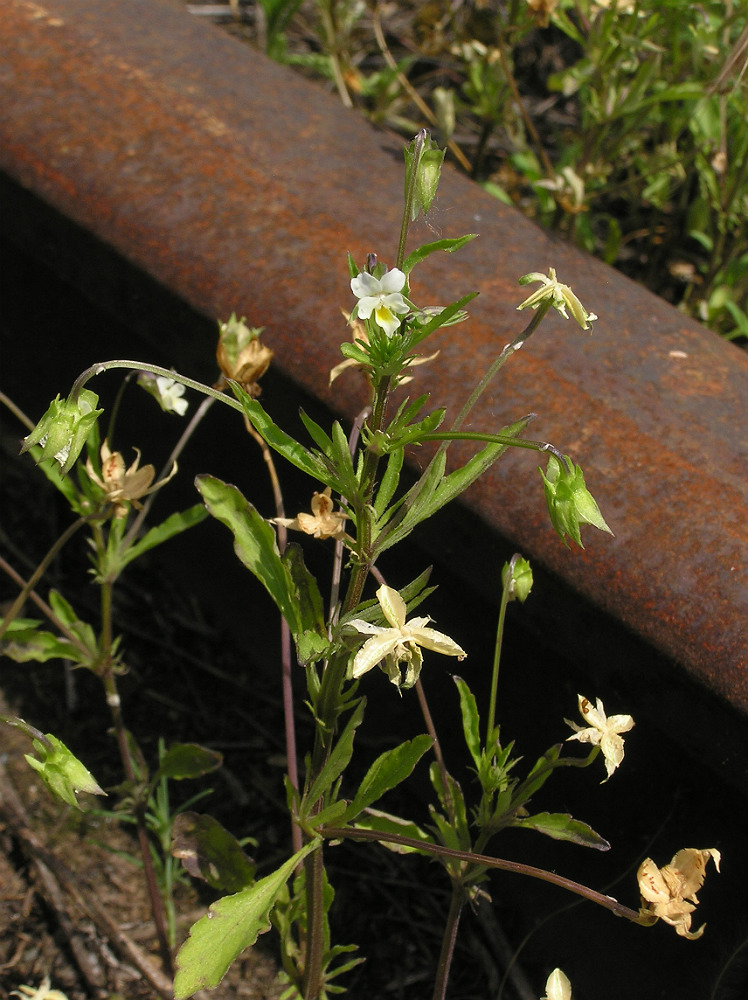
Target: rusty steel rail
<point>241,187</point>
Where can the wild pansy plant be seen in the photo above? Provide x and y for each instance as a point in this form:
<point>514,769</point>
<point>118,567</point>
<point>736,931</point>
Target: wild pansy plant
<point>359,506</point>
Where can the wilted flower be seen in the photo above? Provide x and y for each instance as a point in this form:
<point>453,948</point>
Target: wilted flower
<point>602,731</point>
<point>666,891</point>
<point>121,485</point>
<point>542,9</point>
<point>570,503</point>
<point>63,429</point>
<point>240,354</point>
<point>381,296</point>
<point>323,522</point>
<point>560,295</point>
<point>557,986</point>
<point>61,771</point>
<point>167,392</point>
<point>389,647</point>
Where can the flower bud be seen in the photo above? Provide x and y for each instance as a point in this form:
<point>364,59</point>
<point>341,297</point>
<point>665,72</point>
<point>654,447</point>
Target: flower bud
<point>425,157</point>
<point>519,583</point>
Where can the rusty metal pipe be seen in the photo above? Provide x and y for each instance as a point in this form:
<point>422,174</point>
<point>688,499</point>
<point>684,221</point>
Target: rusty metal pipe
<point>241,187</point>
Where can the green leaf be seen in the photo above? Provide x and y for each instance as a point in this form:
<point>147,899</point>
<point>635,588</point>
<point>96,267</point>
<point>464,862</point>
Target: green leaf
<point>24,641</point>
<point>232,924</point>
<point>172,526</point>
<point>442,318</point>
<point>209,852</point>
<point>310,604</point>
<point>470,720</point>
<point>562,826</point>
<point>317,434</point>
<point>383,822</point>
<point>254,543</point>
<point>277,439</point>
<point>541,771</point>
<point>390,481</point>
<point>339,757</point>
<point>187,760</point>
<point>387,771</point>
<point>448,245</point>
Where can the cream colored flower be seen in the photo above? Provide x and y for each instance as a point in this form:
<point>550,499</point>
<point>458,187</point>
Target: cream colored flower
<point>669,893</point>
<point>42,992</point>
<point>389,647</point>
<point>602,731</point>
<point>561,296</point>
<point>323,522</point>
<point>557,986</point>
<point>124,486</point>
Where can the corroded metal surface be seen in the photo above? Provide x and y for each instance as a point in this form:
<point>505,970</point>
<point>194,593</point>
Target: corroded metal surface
<point>241,187</point>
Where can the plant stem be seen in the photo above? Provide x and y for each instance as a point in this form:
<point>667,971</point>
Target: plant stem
<point>41,569</point>
<point>353,833</point>
<point>497,649</point>
<point>102,366</point>
<point>115,707</point>
<point>456,904</point>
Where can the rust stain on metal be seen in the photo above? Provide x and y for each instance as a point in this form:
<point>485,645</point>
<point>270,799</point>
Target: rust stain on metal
<point>242,188</point>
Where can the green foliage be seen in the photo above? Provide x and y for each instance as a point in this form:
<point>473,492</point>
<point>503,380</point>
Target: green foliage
<point>336,645</point>
<point>231,924</point>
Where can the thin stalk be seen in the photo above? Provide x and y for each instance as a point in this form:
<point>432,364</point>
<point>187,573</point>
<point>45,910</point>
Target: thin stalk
<point>289,722</point>
<point>41,569</point>
<point>44,607</point>
<point>508,350</point>
<point>16,411</point>
<point>497,648</point>
<point>410,193</point>
<point>103,366</point>
<point>177,450</point>
<point>607,902</point>
<point>456,904</point>
<point>113,701</point>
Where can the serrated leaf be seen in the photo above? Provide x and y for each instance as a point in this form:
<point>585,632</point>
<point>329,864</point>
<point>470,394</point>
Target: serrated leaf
<point>187,760</point>
<point>254,543</point>
<point>388,770</point>
<point>562,826</point>
<point>231,924</point>
<point>209,852</point>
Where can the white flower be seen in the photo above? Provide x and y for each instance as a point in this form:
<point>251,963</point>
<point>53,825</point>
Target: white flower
<point>166,391</point>
<point>557,986</point>
<point>381,296</point>
<point>561,296</point>
<point>399,644</point>
<point>602,732</point>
